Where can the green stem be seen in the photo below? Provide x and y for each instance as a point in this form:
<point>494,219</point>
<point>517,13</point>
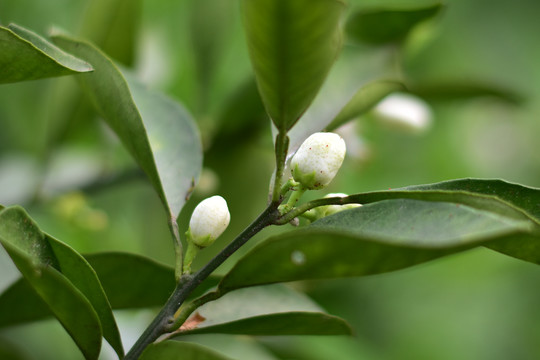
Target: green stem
<point>187,310</point>
<point>281,149</point>
<point>293,199</point>
<point>191,252</point>
<point>291,183</point>
<point>188,283</point>
<point>297,211</point>
<point>178,249</point>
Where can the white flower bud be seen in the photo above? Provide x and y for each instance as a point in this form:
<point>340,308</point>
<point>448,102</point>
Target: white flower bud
<point>208,221</point>
<point>332,209</point>
<point>318,160</point>
<point>326,210</point>
<point>405,111</point>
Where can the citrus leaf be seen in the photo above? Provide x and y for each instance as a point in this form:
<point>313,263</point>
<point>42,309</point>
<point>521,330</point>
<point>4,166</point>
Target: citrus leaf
<point>159,133</point>
<point>381,26</point>
<point>265,310</point>
<point>24,303</point>
<point>130,282</point>
<point>134,281</point>
<point>289,323</point>
<point>175,350</point>
<point>292,45</point>
<point>74,267</point>
<point>364,99</point>
<point>33,256</point>
<point>523,197</point>
<point>375,238</point>
<point>27,56</point>
<point>65,260</point>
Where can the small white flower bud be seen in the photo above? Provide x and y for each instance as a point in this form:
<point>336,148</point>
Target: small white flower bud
<point>326,210</point>
<point>405,111</point>
<point>208,221</point>
<point>332,209</point>
<point>318,160</point>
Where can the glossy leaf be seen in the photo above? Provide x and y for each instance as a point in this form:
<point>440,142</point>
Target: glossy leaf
<point>33,256</point>
<point>24,303</point>
<point>71,265</point>
<point>363,100</point>
<point>134,281</point>
<point>176,350</point>
<point>523,197</point>
<point>292,45</point>
<point>380,26</point>
<point>375,238</point>
<point>289,323</point>
<point>75,268</point>
<point>266,310</point>
<point>130,282</point>
<point>27,56</point>
<point>159,133</point>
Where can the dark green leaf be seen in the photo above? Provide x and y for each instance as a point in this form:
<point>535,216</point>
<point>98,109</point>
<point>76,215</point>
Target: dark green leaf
<point>159,133</point>
<point>289,323</point>
<point>70,264</point>
<point>130,282</point>
<point>523,197</point>
<point>292,45</point>
<point>24,305</point>
<point>33,256</point>
<point>9,351</point>
<point>134,281</point>
<point>364,99</point>
<point>176,350</point>
<point>266,310</point>
<point>375,238</point>
<point>74,267</point>
<point>27,56</point>
<point>387,25</point>
<point>465,90</point>
<point>525,247</point>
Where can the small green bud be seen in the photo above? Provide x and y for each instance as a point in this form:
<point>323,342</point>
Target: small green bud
<point>318,160</point>
<point>209,220</point>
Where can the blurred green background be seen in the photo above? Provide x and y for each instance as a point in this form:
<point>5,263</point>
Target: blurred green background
<point>476,305</point>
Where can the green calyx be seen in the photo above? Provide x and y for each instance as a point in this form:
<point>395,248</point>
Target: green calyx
<point>194,245</point>
<point>308,181</point>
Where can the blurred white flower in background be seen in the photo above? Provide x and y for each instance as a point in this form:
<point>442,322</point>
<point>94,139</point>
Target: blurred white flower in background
<point>404,112</point>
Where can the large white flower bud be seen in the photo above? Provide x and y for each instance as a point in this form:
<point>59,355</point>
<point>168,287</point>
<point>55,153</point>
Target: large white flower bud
<point>318,160</point>
<point>209,220</point>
